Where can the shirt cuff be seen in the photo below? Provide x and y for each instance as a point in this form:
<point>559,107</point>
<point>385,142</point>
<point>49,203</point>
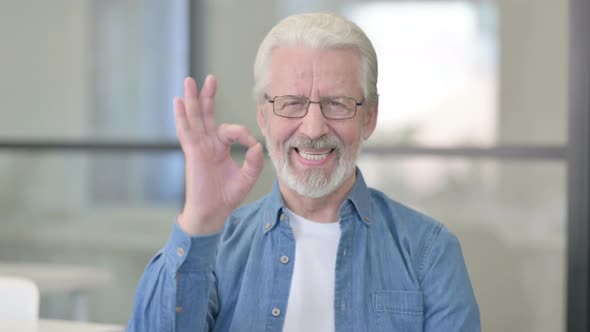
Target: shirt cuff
<point>191,253</point>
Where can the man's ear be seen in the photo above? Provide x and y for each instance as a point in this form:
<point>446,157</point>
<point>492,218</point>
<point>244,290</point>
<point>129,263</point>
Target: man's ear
<point>370,120</point>
<point>261,118</point>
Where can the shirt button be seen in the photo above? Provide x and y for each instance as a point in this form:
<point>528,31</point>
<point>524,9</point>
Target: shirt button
<point>284,259</point>
<point>282,217</point>
<point>178,309</point>
<point>180,252</point>
<point>276,312</point>
<point>367,219</point>
<point>267,226</point>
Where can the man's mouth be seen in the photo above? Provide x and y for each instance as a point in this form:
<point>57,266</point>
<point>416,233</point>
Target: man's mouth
<point>314,156</point>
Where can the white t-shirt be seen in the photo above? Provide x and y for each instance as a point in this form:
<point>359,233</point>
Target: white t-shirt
<point>311,297</point>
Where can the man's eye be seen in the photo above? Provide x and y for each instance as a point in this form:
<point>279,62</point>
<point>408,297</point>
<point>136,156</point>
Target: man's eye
<point>294,103</point>
<point>334,104</point>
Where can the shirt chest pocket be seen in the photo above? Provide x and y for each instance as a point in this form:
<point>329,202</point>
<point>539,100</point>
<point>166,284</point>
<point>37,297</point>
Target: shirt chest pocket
<point>398,310</point>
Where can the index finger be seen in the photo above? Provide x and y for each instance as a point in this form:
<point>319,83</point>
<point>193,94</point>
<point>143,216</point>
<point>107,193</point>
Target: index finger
<point>231,133</point>
<point>206,101</point>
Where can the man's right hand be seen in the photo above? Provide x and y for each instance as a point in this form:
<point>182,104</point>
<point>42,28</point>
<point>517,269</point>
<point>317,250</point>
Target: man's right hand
<point>215,184</point>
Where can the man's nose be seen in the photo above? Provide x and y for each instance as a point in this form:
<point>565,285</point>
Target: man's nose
<point>314,124</point>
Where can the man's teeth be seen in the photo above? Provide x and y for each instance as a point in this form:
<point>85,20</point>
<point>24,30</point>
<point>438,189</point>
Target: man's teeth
<point>313,156</point>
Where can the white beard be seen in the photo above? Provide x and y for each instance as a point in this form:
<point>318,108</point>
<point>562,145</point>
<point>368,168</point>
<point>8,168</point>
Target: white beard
<point>314,182</point>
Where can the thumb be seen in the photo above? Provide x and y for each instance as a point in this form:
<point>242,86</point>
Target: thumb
<point>254,162</point>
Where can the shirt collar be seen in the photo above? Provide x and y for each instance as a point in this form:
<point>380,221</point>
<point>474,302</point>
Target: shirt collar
<point>360,198</point>
<point>272,208</point>
<point>357,200</point>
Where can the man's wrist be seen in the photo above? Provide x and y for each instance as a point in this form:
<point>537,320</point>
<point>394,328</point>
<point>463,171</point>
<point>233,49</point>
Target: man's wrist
<point>192,226</point>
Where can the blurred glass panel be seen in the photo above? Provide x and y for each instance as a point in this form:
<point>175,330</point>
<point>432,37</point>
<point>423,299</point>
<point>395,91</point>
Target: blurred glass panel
<point>110,211</point>
<point>92,68</point>
<point>106,211</point>
<point>452,72</point>
<point>114,211</point>
<point>511,220</point>
<point>473,73</point>
<point>437,70</point>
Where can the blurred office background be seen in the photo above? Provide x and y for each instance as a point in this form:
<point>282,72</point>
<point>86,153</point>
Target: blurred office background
<point>472,130</point>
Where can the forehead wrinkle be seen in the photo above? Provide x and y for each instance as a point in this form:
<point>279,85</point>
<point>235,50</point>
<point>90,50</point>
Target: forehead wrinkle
<point>302,76</point>
<point>338,80</point>
<point>314,73</point>
<point>328,81</point>
<point>337,84</point>
<point>314,81</point>
<point>298,79</point>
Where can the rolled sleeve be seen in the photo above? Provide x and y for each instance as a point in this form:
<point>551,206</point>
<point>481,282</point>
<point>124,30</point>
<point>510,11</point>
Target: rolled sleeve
<point>177,290</point>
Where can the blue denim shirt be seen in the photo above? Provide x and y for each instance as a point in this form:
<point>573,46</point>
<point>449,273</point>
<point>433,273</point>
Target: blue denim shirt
<point>396,270</point>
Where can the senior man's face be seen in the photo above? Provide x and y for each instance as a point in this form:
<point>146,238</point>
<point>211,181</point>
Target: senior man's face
<point>313,155</point>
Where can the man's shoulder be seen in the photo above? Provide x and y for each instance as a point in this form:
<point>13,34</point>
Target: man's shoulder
<point>420,235</point>
<point>404,220</point>
<point>394,211</point>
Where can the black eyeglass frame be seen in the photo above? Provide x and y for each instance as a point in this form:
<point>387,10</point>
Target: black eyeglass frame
<point>309,102</point>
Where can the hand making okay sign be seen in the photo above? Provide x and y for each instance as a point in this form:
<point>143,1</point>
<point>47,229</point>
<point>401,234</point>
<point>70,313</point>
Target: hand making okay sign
<point>215,184</point>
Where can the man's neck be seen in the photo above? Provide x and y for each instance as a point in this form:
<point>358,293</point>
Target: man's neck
<point>324,209</point>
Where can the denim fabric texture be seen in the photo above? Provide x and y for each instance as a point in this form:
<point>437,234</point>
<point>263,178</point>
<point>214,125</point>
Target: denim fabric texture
<point>396,270</point>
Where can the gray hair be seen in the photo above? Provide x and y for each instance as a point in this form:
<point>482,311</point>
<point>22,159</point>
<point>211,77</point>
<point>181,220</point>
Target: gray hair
<point>317,31</point>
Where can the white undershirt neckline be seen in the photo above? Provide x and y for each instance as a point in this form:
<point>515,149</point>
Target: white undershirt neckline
<point>311,296</point>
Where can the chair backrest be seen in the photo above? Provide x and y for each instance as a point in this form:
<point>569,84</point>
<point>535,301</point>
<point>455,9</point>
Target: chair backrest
<point>19,299</point>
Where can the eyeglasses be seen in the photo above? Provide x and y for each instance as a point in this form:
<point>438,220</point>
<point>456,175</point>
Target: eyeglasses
<point>333,108</point>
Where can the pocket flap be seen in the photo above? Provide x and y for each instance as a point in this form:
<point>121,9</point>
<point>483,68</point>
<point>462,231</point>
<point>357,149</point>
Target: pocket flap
<point>403,302</point>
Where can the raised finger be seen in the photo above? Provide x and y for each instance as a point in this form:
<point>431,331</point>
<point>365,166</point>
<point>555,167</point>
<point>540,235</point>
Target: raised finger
<point>180,118</point>
<point>192,107</point>
<point>207,104</point>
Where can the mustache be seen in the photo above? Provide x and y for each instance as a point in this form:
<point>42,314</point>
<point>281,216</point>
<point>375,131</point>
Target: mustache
<point>326,141</point>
